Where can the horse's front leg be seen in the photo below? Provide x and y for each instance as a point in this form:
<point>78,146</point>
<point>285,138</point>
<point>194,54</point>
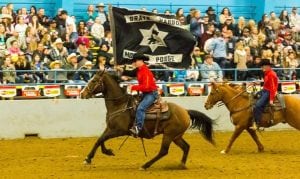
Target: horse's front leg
<point>238,130</point>
<point>107,134</point>
<point>255,138</point>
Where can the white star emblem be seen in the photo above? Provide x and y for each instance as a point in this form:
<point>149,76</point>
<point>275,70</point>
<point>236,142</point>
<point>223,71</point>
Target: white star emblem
<point>153,38</point>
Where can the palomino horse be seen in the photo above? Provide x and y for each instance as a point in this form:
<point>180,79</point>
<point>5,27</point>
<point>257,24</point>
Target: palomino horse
<point>120,118</point>
<point>239,104</point>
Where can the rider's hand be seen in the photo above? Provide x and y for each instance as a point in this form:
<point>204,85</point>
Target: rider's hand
<point>271,103</point>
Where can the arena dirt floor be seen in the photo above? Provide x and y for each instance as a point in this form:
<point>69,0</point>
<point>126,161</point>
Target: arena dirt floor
<point>63,158</point>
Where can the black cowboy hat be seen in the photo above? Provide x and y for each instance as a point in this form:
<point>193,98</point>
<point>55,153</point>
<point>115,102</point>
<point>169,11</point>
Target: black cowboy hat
<point>139,56</point>
<point>210,9</point>
<point>265,62</point>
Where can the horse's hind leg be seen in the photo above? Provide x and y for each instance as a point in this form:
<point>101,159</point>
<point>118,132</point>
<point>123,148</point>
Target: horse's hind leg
<point>164,149</point>
<point>238,130</point>
<point>107,134</point>
<point>180,142</point>
<point>255,138</point>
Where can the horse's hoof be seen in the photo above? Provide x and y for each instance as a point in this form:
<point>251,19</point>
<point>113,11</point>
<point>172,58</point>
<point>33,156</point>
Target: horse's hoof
<point>109,152</point>
<point>223,152</point>
<point>261,150</point>
<point>182,166</point>
<point>142,169</point>
<point>87,161</point>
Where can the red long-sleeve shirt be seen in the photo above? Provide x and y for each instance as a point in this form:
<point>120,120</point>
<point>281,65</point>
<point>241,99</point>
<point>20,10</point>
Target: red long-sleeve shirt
<point>146,80</point>
<point>271,83</point>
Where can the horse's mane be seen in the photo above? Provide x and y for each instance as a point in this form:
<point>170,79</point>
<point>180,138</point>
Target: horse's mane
<point>239,88</point>
<point>112,75</point>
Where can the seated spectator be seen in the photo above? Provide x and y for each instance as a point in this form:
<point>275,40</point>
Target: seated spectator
<point>239,27</point>
<point>254,68</point>
<point>14,51</point>
<point>179,75</point>
<point>192,73</point>
<point>7,20</point>
<point>225,13</point>
<point>71,66</point>
<point>82,29</point>
<point>32,40</point>
<point>8,70</point>
<point>84,73</point>
<point>2,43</point>
<point>180,16</point>
<point>58,52</point>
<point>292,62</point>
<point>23,67</point>
<point>57,72</point>
<point>83,53</point>
<point>90,16</point>
<point>22,44</point>
<point>210,70</point>
<point>97,31</point>
<point>211,15</point>
<point>197,56</point>
<point>101,62</point>
<point>38,66</point>
<point>53,30</point>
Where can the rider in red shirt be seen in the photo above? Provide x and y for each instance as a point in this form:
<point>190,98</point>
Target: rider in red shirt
<point>146,85</point>
<point>268,93</point>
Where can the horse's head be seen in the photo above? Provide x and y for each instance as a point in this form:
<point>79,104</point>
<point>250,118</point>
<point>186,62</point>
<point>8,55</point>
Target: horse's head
<point>214,96</point>
<point>94,86</point>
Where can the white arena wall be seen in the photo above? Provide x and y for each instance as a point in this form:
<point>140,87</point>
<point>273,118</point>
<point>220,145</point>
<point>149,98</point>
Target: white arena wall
<point>63,118</point>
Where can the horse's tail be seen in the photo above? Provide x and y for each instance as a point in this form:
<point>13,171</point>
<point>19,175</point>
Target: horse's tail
<point>203,123</point>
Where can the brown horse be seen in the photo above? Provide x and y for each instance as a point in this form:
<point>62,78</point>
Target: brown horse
<point>238,102</point>
<point>120,118</point>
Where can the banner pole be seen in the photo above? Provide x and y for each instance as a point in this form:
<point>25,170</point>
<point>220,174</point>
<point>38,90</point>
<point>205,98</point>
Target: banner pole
<point>113,31</point>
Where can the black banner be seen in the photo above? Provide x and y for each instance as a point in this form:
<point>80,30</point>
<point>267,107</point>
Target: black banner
<point>158,36</point>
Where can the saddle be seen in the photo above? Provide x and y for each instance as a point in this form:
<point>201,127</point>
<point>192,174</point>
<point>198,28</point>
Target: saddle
<point>279,105</point>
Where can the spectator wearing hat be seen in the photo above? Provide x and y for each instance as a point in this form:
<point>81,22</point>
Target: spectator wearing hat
<point>90,16</point>
<point>212,17</point>
<point>2,42</point>
<point>102,14</point>
<point>84,73</point>
<point>71,31</point>
<point>227,25</point>
<point>53,30</point>
<point>146,85</point>
<point>225,14</point>
<point>268,92</point>
<point>71,66</point>
<point>58,52</point>
<point>7,20</point>
<point>97,31</point>
<point>83,53</point>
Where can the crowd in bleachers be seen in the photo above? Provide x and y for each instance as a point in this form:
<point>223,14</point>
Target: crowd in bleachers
<point>30,40</point>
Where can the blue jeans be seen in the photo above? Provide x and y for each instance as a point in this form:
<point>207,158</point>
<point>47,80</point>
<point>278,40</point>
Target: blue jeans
<point>147,100</point>
<point>261,104</point>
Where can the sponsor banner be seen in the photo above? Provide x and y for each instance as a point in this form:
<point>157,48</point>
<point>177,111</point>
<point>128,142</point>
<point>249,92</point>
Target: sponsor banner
<point>52,90</point>
<point>8,91</point>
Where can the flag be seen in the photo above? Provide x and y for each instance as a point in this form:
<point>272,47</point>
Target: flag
<point>158,36</point>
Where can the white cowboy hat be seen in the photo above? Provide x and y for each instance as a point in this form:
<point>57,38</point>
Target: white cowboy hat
<point>100,5</point>
<point>72,55</point>
<point>52,64</point>
<point>58,41</point>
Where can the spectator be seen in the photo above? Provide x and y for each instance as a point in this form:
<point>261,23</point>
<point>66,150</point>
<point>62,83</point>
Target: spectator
<point>252,25</point>
<point>217,48</point>
<point>71,66</point>
<point>196,28</point>
<point>58,52</point>
<point>32,11</point>
<point>34,23</point>
<point>212,17</point>
<point>228,25</point>
<point>238,29</point>
<point>10,11</point>
<point>274,20</point>
<point>155,11</point>
<point>43,52</point>
<point>23,67</point>
<point>240,59</point>
<point>20,28</point>
<point>262,23</point>
<point>104,50</point>
<point>37,66</point>
<point>43,19</point>
<point>284,18</point>
<point>210,70</point>
<point>103,16</point>
<point>61,24</point>
<point>189,16</point>
<point>179,75</point>
<point>90,16</point>
<point>254,72</point>
<point>101,62</point>
<point>53,30</point>
<point>71,31</point>
<point>167,12</point>
<point>192,73</point>
<point>196,56</point>
<point>83,53</point>
<point>180,16</point>
<point>32,40</point>
<point>82,29</point>
<point>46,40</point>
<point>14,50</point>
<point>84,73</point>
<point>2,43</point>
<point>225,14</point>
<point>294,18</point>
<point>97,31</point>
<point>9,27</point>
<point>8,70</point>
<point>25,16</point>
